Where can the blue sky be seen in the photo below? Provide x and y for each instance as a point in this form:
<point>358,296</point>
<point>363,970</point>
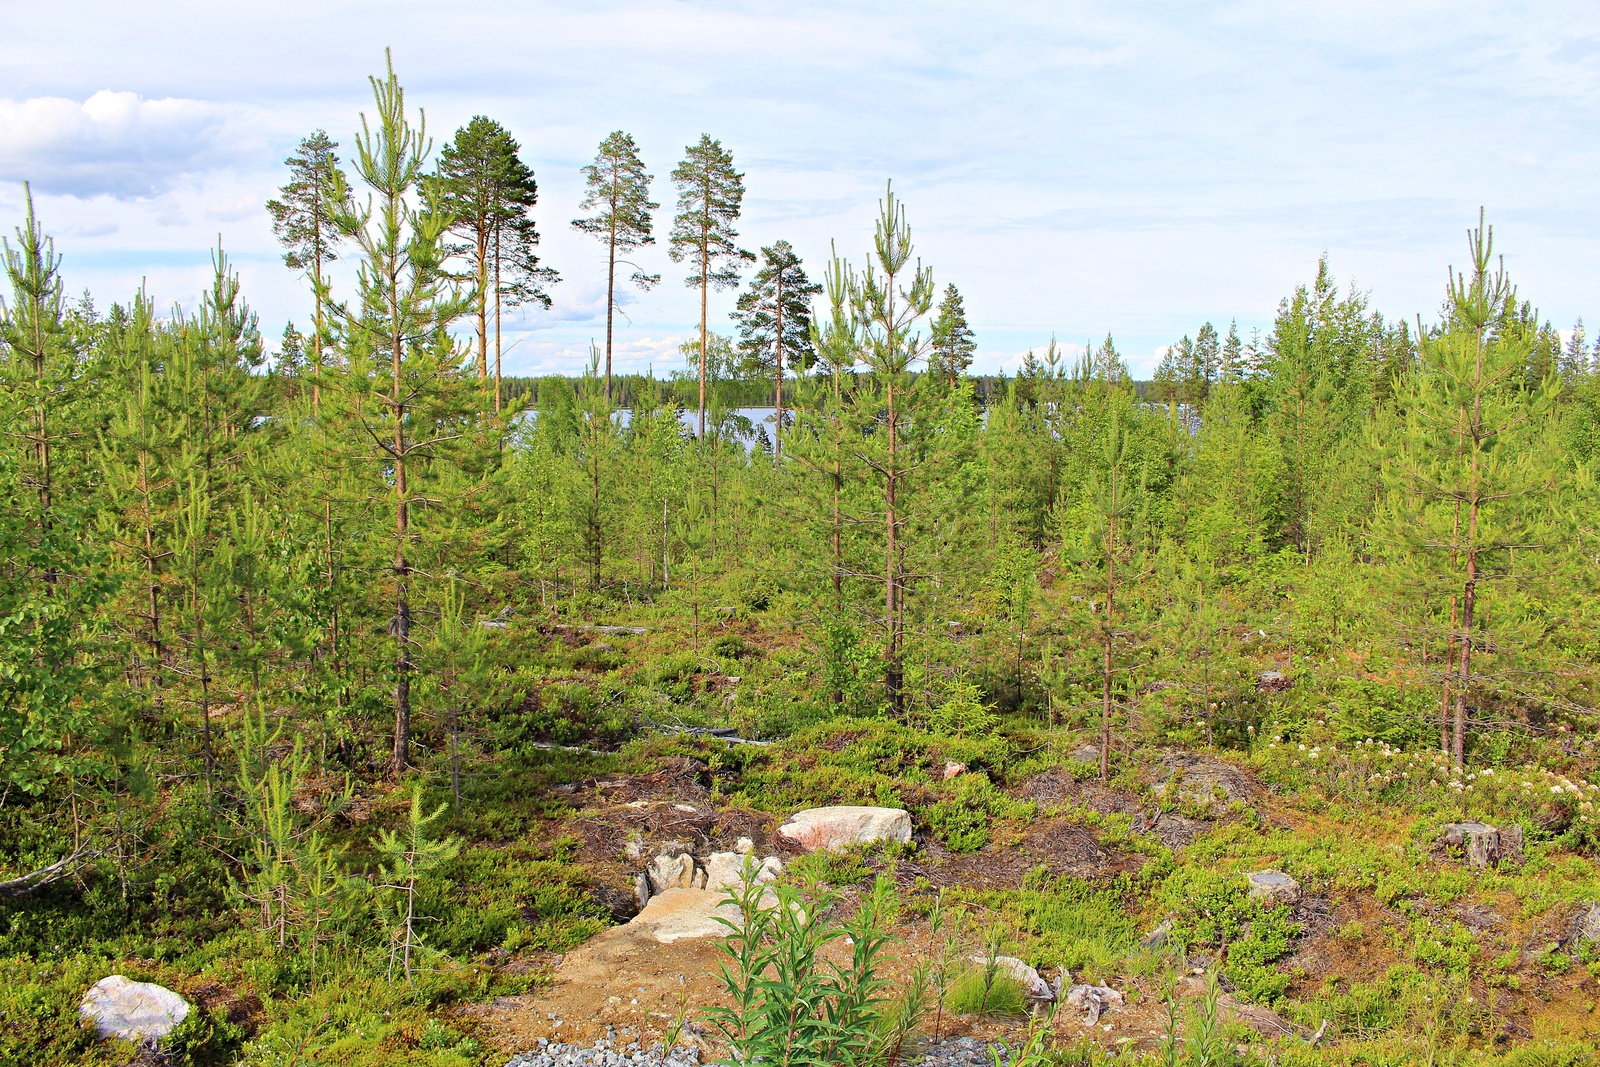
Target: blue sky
<point>1075,168</point>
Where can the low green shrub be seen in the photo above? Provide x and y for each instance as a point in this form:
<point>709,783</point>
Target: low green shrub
<point>980,993</point>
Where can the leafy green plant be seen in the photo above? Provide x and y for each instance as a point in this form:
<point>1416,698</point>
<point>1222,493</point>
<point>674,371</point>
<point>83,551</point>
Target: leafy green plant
<point>1207,1045</point>
<point>789,1006</point>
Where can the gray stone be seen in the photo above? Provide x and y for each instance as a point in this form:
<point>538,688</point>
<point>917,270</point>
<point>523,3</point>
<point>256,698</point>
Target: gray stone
<point>744,846</point>
<point>1094,1000</point>
<point>843,825</point>
<point>1585,928</point>
<point>1157,938</point>
<point>1029,979</point>
<point>1273,887</point>
<point>1085,754</point>
<point>1480,841</point>
<point>1272,681</point>
<point>133,1011</point>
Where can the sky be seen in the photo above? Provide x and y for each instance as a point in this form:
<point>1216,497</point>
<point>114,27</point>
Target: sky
<point>1075,169</point>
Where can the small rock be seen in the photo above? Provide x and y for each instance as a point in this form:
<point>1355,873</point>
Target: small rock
<point>1585,928</point>
<point>671,872</point>
<point>839,826</point>
<point>726,870</point>
<point>1273,887</point>
<point>744,846</point>
<point>1094,1000</point>
<point>133,1011</point>
<point>1272,681</point>
<point>1085,754</point>
<point>641,889</point>
<point>952,769</point>
<point>1158,937</point>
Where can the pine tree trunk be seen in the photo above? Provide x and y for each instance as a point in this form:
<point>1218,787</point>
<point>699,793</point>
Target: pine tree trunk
<point>1449,667</point>
<point>402,607</point>
<point>594,506</point>
<point>497,389</point>
<point>205,697</point>
<point>316,326</point>
<point>777,437</point>
<point>891,584</point>
<point>704,298</point>
<point>611,293</point>
<point>481,238</point>
<point>1469,594</point>
<point>1105,667</point>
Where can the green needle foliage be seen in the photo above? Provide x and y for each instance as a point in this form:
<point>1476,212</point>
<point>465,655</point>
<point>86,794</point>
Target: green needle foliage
<point>489,193</point>
<point>953,343</point>
<point>617,188</point>
<point>311,657</point>
<point>710,197</point>
<point>775,323</point>
<point>305,220</point>
<point>408,855</point>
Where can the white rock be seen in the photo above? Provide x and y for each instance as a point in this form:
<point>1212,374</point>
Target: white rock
<point>953,769</point>
<point>836,827</point>
<point>688,914</point>
<point>1273,887</point>
<point>641,889</point>
<point>726,870</point>
<point>744,846</point>
<point>1032,983</point>
<point>671,872</point>
<point>133,1011</point>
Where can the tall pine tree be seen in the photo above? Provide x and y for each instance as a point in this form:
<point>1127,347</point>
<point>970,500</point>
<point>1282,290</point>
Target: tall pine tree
<point>616,183</point>
<point>710,197</point>
<point>774,318</point>
<point>953,343</point>
<point>489,192</point>
<point>397,337</point>
<point>304,220</point>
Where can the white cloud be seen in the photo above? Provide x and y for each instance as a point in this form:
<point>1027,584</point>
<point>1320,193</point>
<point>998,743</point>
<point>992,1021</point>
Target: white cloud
<point>114,142</point>
<point>95,229</point>
<point>247,205</point>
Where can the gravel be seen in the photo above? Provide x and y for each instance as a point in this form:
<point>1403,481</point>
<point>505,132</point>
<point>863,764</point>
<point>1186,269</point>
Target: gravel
<point>963,1052</point>
<point>610,1051</point>
<point>618,1051</point>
